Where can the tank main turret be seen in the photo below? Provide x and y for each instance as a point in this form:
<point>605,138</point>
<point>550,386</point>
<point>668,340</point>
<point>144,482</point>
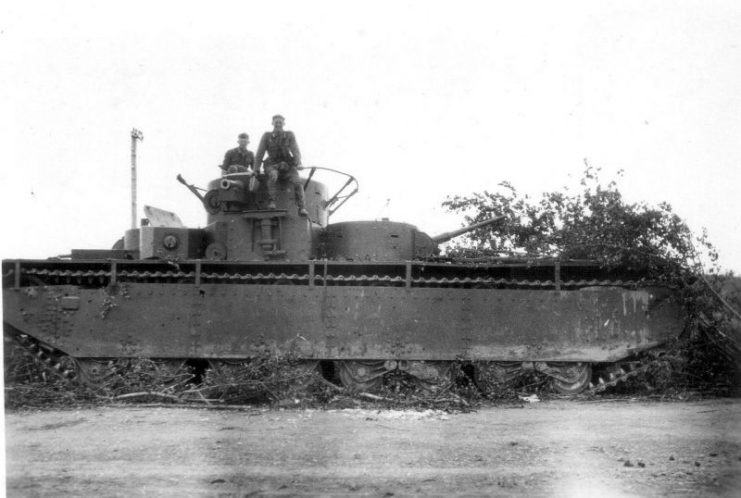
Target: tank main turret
<point>240,227</point>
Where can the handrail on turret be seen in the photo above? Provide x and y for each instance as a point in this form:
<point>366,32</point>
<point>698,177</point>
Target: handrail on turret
<point>336,197</point>
<point>226,183</point>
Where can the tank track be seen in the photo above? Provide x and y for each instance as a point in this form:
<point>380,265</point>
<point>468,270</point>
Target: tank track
<point>52,360</point>
<point>625,371</point>
<point>72,277</point>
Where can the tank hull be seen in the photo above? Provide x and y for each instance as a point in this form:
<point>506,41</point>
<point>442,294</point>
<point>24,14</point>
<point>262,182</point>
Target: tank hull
<point>319,310</point>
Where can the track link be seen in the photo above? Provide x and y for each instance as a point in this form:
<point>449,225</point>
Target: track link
<point>624,372</point>
<point>51,361</point>
<point>45,276</point>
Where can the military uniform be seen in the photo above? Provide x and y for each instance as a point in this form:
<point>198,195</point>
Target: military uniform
<point>238,158</point>
<point>283,158</point>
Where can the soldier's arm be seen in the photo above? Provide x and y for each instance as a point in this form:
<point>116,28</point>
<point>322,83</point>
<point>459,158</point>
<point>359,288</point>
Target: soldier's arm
<point>226,164</point>
<point>293,146</point>
<point>260,152</point>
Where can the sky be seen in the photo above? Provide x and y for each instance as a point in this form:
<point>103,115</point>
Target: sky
<point>418,100</point>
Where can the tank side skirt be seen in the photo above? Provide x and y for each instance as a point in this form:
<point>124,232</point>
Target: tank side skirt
<point>344,322</point>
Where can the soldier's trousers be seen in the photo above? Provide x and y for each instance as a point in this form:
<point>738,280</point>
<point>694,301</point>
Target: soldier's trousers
<point>285,173</point>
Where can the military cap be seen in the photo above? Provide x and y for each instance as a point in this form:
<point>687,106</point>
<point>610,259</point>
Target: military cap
<point>243,135</point>
<point>278,116</point>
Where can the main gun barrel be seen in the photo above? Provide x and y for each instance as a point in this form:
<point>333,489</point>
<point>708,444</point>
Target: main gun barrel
<point>444,237</point>
<point>227,184</point>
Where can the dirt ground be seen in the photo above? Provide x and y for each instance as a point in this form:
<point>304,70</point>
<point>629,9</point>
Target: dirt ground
<point>556,448</point>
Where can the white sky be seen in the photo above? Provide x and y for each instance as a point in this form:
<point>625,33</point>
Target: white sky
<point>418,100</point>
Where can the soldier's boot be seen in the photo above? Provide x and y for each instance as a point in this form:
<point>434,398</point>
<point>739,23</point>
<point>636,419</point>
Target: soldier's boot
<point>298,192</point>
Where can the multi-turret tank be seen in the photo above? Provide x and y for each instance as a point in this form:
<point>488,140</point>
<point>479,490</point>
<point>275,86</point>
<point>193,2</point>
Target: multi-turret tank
<point>361,299</point>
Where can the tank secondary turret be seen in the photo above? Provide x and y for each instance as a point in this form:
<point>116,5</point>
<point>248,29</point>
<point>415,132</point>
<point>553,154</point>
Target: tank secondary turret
<point>387,240</point>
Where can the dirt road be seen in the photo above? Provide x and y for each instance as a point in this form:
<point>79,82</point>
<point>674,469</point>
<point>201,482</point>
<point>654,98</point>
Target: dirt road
<point>562,448</point>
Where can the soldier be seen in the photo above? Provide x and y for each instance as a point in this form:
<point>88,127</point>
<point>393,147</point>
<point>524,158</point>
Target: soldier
<point>283,162</point>
<point>239,159</point>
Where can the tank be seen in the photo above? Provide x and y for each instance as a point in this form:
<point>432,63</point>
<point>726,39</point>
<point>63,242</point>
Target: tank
<point>362,299</point>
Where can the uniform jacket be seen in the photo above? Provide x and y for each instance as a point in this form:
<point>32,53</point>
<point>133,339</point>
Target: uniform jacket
<point>280,146</point>
<point>235,156</point>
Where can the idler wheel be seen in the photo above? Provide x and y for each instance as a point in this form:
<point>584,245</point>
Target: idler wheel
<point>574,379</point>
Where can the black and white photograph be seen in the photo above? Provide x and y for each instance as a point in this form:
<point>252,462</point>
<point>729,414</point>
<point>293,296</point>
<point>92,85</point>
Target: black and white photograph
<point>373,249</point>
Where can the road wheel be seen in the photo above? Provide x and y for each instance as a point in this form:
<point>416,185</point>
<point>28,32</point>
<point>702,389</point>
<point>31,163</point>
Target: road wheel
<point>492,376</point>
<point>575,377</point>
<point>429,376</point>
<point>361,375</point>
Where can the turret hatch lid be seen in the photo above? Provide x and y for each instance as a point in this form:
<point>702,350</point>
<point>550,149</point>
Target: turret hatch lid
<point>160,218</point>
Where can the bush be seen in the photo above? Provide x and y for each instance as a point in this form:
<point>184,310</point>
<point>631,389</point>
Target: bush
<point>595,222</point>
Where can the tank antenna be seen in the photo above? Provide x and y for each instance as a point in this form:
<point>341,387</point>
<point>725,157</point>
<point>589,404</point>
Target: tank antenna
<point>135,135</point>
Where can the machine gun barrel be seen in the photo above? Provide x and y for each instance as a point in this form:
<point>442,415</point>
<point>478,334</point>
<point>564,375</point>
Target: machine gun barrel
<point>190,187</point>
<point>444,237</point>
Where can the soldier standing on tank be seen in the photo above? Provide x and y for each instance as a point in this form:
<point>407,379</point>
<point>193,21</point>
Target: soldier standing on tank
<point>239,159</point>
<point>283,162</point>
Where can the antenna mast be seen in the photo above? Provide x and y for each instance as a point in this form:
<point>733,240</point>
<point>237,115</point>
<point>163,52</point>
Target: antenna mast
<point>135,135</point>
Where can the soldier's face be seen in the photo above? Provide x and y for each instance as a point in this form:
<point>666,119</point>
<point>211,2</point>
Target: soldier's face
<point>278,123</point>
<point>243,142</point>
